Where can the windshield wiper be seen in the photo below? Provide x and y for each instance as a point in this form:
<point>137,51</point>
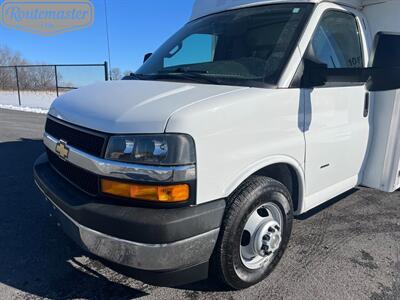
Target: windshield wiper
<point>191,75</point>
<point>182,70</point>
<point>188,74</point>
<point>135,76</point>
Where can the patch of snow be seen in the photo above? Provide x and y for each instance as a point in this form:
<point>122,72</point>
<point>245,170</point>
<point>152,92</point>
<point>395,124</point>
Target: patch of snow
<point>24,108</point>
<point>42,99</point>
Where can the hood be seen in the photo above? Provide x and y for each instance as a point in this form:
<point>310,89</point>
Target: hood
<point>131,106</point>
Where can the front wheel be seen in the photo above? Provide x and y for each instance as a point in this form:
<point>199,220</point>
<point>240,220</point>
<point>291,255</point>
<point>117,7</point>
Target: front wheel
<point>255,232</point>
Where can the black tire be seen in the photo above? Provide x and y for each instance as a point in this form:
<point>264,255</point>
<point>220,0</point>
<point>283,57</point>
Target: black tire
<point>226,263</point>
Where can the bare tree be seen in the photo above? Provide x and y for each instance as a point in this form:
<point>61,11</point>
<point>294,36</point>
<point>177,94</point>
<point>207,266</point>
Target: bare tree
<point>116,74</point>
<point>128,72</point>
<point>8,57</point>
<point>30,78</point>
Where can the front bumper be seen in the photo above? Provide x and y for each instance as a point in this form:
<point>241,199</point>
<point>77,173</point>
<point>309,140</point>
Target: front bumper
<point>157,240</point>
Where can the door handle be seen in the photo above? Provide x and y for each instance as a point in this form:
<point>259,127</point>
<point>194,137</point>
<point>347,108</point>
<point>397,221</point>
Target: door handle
<point>366,105</point>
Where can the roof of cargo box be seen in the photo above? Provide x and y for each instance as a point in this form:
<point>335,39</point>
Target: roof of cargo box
<point>202,8</point>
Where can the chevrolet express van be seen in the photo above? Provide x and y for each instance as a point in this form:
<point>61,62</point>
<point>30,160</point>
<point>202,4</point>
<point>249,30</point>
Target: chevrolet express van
<point>253,112</point>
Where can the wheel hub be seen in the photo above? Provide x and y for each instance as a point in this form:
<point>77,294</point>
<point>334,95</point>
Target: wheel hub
<point>262,236</point>
<point>268,239</point>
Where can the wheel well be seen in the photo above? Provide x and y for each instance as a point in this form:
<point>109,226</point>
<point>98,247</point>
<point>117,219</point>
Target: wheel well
<point>286,175</point>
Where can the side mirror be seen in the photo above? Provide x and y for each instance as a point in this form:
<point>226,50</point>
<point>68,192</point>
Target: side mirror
<point>317,74</point>
<point>384,69</point>
<point>383,74</point>
<point>314,74</point>
<point>147,56</point>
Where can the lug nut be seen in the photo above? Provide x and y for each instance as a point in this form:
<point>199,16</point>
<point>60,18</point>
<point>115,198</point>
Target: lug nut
<point>264,250</point>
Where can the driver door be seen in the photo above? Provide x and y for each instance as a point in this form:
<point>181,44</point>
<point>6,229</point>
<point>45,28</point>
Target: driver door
<point>336,126</point>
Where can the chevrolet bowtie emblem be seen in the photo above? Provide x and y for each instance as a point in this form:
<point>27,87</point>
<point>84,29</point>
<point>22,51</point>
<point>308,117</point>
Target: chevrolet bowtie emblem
<point>62,149</point>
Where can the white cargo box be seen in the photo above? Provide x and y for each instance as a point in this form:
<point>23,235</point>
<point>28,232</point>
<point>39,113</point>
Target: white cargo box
<point>382,167</point>
<point>382,15</point>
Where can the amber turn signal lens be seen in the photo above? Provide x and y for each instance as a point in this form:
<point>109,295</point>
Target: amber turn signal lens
<point>169,193</point>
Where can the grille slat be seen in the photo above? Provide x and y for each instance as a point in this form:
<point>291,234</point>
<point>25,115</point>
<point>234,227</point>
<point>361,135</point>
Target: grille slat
<point>86,181</point>
<point>89,142</point>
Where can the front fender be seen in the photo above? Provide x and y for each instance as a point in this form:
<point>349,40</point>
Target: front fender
<point>268,161</point>
<point>240,133</point>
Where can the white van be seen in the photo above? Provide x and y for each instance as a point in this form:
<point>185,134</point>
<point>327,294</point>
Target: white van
<point>253,112</point>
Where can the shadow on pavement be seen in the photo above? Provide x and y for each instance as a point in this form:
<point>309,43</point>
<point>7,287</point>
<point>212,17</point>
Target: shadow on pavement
<point>35,256</point>
<point>327,204</point>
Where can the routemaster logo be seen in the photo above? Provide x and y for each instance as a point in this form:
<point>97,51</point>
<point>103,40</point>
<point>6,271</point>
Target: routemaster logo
<point>47,17</point>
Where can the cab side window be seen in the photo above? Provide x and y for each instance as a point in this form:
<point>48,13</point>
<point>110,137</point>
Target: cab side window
<point>336,41</point>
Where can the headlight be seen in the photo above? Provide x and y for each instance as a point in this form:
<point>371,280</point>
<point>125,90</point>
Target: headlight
<point>160,149</point>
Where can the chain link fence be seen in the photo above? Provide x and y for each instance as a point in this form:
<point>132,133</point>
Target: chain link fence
<point>38,85</point>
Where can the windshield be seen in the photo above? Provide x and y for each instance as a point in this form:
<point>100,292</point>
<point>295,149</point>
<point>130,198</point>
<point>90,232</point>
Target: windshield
<point>248,46</point>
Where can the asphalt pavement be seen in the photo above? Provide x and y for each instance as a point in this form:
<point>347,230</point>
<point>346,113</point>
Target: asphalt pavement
<point>347,249</point>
